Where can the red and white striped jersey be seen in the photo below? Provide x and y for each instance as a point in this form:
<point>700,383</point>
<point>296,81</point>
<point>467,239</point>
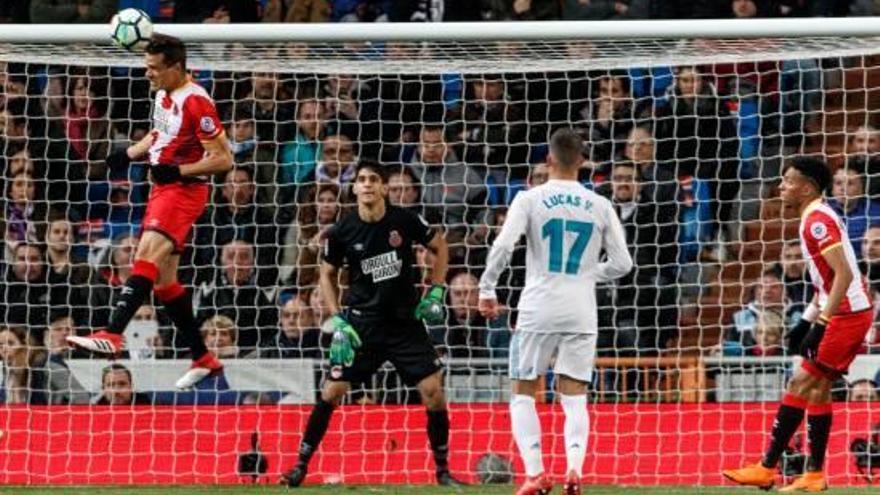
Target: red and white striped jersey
<point>822,229</point>
<point>181,121</point>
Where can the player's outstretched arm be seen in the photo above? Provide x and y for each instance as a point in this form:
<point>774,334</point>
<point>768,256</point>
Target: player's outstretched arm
<point>619,261</point>
<point>217,159</point>
<point>120,160</point>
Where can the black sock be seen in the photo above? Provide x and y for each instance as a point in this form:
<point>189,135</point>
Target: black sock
<point>319,420</point>
<point>818,431</point>
<point>136,289</point>
<point>438,436</point>
<point>180,311</point>
<point>788,419</point>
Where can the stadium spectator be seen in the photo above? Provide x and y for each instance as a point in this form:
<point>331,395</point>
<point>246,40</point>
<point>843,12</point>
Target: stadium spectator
<point>600,10</point>
<point>86,128</point>
<point>646,298</point>
<point>706,143</point>
<point>117,388</point>
<point>217,11</point>
<point>13,124</point>
<point>297,11</point>
<point>68,276</point>
<point>304,237</point>
<point>658,177</point>
<point>452,188</point>
<point>21,161</point>
<point>871,253</point>
<point>467,334</point>
<point>605,121</point>
<point>25,214</point>
<point>352,104</point>
<point>856,210</point>
<point>60,326</point>
<point>220,336</point>
<point>865,140</point>
<point>404,189</point>
<point>299,337</point>
<point>797,286</point>
<point>71,11</point>
<point>237,216</point>
<point>524,10</point>
<point>767,295</point>
<point>863,390</point>
<point>297,159</point>
<point>271,104</point>
<point>29,377</point>
<point>493,129</point>
<point>337,164</point>
<point>25,293</point>
<point>243,137</point>
<point>232,292</point>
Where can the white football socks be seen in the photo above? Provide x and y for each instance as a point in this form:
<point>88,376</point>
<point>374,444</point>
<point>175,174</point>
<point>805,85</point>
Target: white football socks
<point>527,432</point>
<point>577,430</point>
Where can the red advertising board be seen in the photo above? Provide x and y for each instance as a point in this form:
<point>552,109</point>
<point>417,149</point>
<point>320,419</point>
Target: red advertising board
<point>665,444</point>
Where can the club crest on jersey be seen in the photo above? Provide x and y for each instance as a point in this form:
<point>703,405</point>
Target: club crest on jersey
<point>818,230</point>
<point>207,124</point>
<point>394,239</point>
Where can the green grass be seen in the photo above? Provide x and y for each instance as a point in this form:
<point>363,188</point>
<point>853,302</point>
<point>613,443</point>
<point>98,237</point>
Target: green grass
<point>389,490</point>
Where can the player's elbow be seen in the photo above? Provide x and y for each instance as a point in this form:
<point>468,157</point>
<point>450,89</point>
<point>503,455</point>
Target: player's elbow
<point>226,161</point>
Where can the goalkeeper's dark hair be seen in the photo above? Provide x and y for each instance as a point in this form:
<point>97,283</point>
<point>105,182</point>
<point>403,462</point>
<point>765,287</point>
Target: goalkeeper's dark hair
<point>172,49</point>
<point>814,169</point>
<point>566,146</point>
<point>373,166</point>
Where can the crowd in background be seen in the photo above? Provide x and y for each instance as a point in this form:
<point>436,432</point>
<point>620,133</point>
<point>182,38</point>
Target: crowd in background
<point>674,148</point>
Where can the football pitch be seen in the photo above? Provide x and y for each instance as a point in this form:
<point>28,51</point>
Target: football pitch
<point>388,490</point>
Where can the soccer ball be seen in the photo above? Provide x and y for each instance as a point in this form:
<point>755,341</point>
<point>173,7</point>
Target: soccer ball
<point>131,29</point>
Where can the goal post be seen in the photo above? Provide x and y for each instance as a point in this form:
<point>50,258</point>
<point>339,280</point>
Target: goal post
<point>686,126</point>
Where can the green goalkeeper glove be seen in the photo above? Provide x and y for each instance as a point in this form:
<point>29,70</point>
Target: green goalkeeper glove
<point>431,308</point>
<point>345,341</point>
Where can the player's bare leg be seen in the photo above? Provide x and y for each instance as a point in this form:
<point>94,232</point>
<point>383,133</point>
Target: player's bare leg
<point>526,429</point>
<point>152,252</point>
<point>573,396</point>
<point>319,419</point>
<point>431,391</point>
<point>178,306</point>
<point>788,419</point>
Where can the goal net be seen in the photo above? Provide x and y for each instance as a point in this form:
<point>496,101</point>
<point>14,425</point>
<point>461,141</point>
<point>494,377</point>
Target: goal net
<point>686,135</point>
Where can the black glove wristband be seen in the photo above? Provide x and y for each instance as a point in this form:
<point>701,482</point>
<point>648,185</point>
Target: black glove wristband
<point>810,344</point>
<point>796,336</point>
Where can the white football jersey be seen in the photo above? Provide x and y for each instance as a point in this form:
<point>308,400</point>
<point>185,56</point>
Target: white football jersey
<point>567,228</point>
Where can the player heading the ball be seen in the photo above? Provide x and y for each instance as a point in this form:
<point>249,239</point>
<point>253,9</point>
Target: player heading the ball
<point>185,147</point>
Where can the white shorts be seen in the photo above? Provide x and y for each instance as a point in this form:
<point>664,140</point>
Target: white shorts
<point>532,352</point>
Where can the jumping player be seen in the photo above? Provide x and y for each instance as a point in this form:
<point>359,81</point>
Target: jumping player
<point>382,321</point>
<point>829,335</point>
<point>186,145</point>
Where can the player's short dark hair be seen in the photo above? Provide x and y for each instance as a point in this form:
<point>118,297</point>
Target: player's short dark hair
<point>373,166</point>
<point>172,49</point>
<point>567,146</point>
<point>813,169</point>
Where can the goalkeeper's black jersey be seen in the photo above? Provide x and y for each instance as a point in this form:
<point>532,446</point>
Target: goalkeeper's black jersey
<point>381,273</point>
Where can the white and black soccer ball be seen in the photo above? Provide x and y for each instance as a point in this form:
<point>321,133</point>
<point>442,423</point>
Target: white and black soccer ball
<point>131,29</point>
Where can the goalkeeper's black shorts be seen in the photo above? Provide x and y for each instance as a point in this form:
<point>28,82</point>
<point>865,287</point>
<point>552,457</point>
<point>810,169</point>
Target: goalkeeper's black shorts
<point>405,343</point>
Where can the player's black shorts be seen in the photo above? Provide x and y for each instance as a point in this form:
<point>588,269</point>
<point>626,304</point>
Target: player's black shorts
<point>405,343</point>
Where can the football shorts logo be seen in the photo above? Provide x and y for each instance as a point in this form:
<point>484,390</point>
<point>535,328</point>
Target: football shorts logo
<point>207,124</point>
<point>394,239</point>
<point>818,230</point>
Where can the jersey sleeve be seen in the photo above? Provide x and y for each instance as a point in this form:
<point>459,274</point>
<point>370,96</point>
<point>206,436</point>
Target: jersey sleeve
<point>334,249</point>
<point>821,233</point>
<point>202,112</point>
<point>417,228</point>
<point>514,227</point>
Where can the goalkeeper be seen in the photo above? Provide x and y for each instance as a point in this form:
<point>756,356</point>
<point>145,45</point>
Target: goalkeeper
<point>382,321</point>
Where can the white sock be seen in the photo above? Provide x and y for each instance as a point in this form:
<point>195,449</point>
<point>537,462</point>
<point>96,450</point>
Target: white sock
<point>577,430</point>
<point>527,432</point>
